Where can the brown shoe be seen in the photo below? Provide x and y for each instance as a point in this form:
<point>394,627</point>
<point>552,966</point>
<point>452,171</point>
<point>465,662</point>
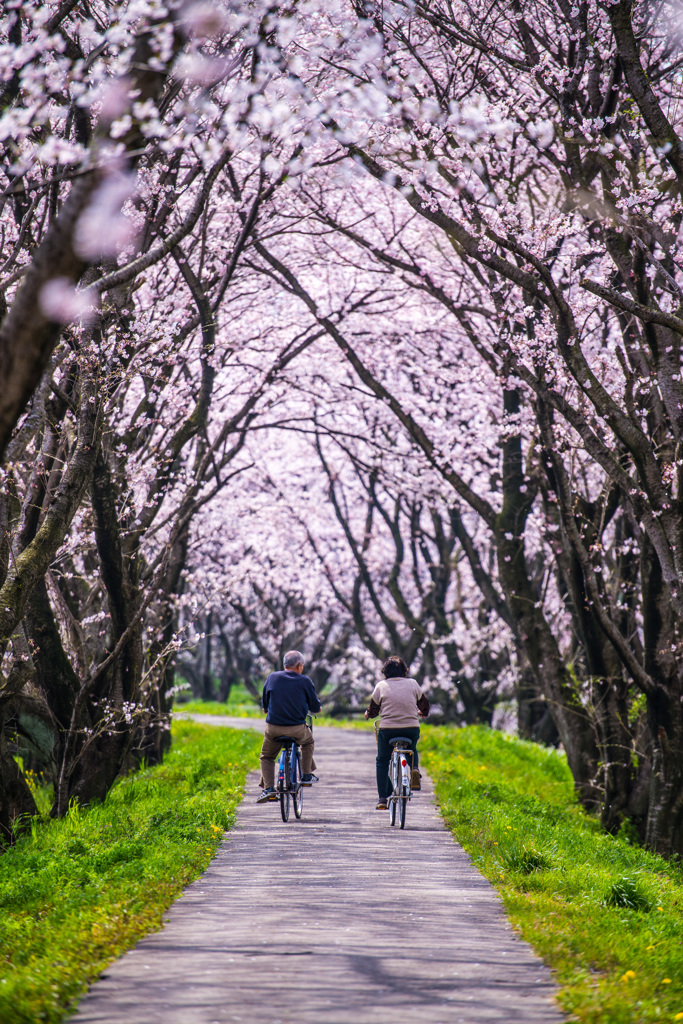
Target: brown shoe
<point>381,806</point>
<point>415,783</point>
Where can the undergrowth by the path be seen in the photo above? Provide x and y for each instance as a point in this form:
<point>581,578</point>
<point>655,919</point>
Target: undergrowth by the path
<point>605,914</point>
<point>76,893</point>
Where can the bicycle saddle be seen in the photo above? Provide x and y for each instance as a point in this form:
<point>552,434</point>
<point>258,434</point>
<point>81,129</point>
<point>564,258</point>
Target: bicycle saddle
<point>403,740</point>
<point>286,741</point>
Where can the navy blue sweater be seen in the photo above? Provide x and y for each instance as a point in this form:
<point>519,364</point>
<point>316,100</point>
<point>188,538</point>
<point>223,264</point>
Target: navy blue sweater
<point>288,697</point>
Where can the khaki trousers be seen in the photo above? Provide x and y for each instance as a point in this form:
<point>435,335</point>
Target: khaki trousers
<point>271,748</point>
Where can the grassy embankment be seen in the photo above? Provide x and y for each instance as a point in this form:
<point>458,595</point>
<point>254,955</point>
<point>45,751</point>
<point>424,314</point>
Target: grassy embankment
<point>76,893</point>
<point>606,915</point>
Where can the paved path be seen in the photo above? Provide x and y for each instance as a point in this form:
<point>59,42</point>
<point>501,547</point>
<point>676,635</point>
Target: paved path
<point>336,919</point>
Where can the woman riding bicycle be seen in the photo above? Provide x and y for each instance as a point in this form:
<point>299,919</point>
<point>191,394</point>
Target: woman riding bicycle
<point>401,703</point>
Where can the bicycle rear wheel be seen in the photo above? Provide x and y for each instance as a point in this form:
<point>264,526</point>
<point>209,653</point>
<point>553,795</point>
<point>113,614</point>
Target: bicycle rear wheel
<point>284,792</point>
<point>393,776</point>
<point>402,804</point>
<point>298,794</point>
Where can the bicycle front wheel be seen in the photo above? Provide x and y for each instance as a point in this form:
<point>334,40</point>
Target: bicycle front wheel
<point>392,810</point>
<point>284,805</point>
<point>402,802</point>
<point>284,793</point>
<point>298,794</point>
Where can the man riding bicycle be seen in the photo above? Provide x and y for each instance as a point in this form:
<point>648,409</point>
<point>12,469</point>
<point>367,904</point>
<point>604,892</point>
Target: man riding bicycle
<point>401,703</point>
<point>288,696</point>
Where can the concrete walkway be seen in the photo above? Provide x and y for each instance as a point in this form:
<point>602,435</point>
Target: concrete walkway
<point>334,919</point>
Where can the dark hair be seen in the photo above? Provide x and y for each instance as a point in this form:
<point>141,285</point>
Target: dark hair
<point>395,668</point>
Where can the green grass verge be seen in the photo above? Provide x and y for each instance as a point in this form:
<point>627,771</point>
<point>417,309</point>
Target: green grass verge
<point>76,893</point>
<point>605,915</point>
<point>240,704</point>
<point>239,710</point>
<point>215,707</point>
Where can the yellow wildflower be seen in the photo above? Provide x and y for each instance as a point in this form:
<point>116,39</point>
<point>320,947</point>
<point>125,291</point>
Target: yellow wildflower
<point>628,975</point>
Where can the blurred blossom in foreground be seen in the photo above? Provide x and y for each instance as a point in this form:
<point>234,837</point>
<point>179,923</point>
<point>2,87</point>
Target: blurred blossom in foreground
<point>114,98</point>
<point>102,228</point>
<point>195,68</point>
<point>60,301</point>
<point>204,19</point>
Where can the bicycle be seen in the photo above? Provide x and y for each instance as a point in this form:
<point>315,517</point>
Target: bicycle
<point>400,774</point>
<point>289,775</point>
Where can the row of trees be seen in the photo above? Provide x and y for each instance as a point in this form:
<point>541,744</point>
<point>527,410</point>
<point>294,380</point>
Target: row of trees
<point>354,324</point>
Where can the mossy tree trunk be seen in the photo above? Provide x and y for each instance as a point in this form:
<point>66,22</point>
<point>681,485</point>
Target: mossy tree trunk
<point>662,643</point>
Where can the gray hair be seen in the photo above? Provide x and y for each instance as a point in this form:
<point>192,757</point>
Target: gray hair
<point>293,658</point>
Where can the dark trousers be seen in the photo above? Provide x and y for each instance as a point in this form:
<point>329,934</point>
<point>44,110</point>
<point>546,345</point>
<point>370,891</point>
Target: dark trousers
<point>384,754</point>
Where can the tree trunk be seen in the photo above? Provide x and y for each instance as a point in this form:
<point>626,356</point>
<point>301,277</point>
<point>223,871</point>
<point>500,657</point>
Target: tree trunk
<point>534,720</point>
<point>205,661</point>
<point>531,628</point>
<point>664,829</point>
<point>16,800</point>
<point>662,644</point>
